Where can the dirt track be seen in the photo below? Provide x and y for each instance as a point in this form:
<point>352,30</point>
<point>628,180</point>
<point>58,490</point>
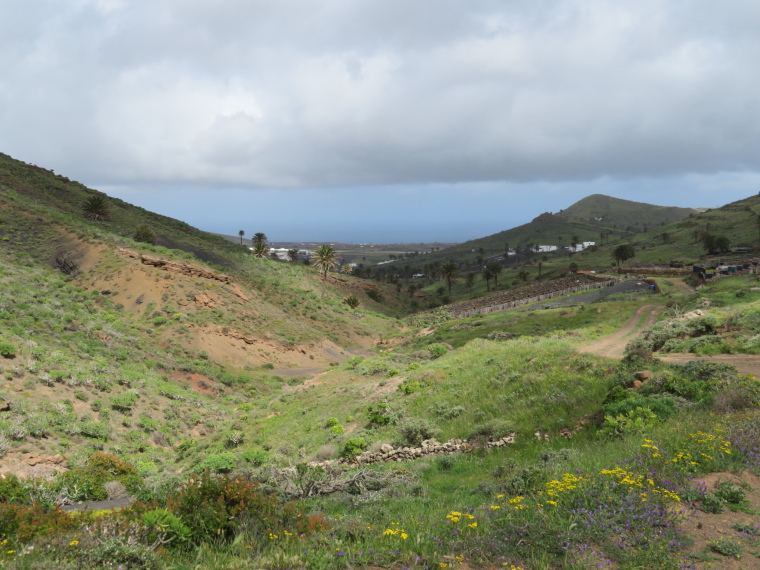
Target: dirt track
<point>612,346</point>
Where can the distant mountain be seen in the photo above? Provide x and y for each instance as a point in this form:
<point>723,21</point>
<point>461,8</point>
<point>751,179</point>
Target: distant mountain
<point>615,212</point>
<point>587,220</point>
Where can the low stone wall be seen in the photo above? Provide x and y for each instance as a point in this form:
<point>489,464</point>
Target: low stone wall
<point>388,453</point>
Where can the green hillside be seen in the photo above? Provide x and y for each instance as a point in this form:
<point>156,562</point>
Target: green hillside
<point>626,214</point>
<point>259,421</point>
<point>595,218</point>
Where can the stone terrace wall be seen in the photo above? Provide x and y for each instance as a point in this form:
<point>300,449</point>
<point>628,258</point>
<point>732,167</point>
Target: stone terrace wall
<point>530,294</point>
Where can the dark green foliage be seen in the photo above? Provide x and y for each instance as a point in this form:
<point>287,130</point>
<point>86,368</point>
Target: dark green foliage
<point>353,446</point>
<point>730,493</point>
<point>352,301</point>
<point>662,407</point>
<point>144,233</point>
<point>375,295</point>
<point>96,208</point>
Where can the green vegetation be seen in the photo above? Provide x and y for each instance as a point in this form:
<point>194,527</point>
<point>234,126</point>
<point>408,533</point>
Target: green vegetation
<point>196,394</point>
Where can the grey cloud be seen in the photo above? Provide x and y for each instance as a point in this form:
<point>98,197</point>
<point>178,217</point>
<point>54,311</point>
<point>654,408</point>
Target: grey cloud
<point>306,93</point>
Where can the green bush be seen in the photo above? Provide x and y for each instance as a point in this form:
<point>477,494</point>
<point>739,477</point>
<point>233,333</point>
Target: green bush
<point>255,457</point>
<point>219,462</point>
<point>332,422</point>
<point>353,446</point>
<point>145,234</point>
<point>215,508</point>
<point>437,350</point>
<point>124,402</point>
<point>414,431</point>
<point>13,491</point>
<point>7,350</point>
<point>492,430</point>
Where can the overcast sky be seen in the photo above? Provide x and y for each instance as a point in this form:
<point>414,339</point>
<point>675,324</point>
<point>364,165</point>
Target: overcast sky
<point>384,120</point>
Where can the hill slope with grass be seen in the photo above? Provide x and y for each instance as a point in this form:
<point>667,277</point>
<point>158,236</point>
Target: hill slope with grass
<point>236,400</point>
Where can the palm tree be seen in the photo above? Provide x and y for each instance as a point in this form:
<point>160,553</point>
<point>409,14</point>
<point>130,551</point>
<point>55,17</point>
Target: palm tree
<point>293,254</point>
<point>260,249</point>
<point>241,233</point>
<point>450,272</point>
<point>325,258</point>
<point>623,253</point>
<point>469,281</point>
<point>260,237</point>
<point>96,208</point>
<point>495,269</point>
<point>523,276</point>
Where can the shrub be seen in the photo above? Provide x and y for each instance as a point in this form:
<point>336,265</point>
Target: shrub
<point>123,402</point>
<point>23,523</point>
<point>437,350</point>
<point>383,414</point>
<point>219,462</point>
<point>337,429</point>
<point>13,491</point>
<point>353,446</point>
<point>352,301</point>
<point>214,508</point>
<point>726,547</point>
<point>255,457</point>
<point>145,234</point>
<point>7,350</point>
<point>492,430</point>
<point>114,553</point>
<point>331,422</point>
<point>414,431</point>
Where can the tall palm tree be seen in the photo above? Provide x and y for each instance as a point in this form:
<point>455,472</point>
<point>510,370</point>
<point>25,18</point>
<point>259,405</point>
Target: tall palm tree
<point>241,233</point>
<point>623,253</point>
<point>325,258</point>
<point>449,272</point>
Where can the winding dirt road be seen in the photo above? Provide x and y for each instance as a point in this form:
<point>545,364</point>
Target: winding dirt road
<point>613,346</point>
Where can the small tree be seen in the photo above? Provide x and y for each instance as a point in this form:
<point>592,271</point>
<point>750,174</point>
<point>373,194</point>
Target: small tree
<point>241,233</point>
<point>144,233</point>
<point>524,275</point>
<point>260,237</point>
<point>293,254</point>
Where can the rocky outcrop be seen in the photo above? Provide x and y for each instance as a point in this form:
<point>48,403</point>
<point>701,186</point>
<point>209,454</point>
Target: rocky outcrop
<point>183,269</point>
